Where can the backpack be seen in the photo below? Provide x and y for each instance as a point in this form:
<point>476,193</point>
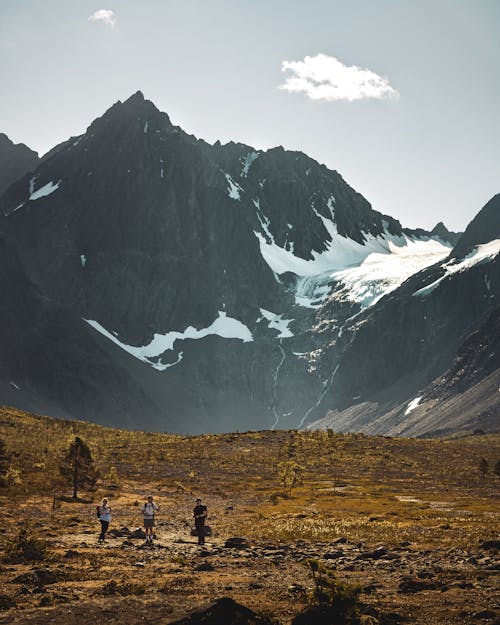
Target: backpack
<point>98,511</point>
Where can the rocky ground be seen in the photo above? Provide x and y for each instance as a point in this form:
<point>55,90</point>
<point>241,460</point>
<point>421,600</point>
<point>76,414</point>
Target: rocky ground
<point>126,581</point>
<point>407,521</point>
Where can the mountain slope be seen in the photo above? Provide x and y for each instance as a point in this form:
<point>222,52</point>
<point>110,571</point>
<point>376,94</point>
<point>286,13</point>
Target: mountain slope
<point>51,361</point>
<point>15,161</point>
<point>388,355</point>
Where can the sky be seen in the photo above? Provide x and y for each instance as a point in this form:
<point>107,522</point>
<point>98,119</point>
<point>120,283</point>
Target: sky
<point>401,97</point>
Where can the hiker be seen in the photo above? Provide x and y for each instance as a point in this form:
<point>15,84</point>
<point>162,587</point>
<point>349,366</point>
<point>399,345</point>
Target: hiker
<point>104,516</point>
<point>200,514</point>
<point>149,509</point>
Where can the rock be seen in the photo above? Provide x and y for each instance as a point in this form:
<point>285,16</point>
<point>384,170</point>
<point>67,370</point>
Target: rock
<point>491,544</point>
<point>333,555</point>
<point>71,553</point>
<point>236,543</point>
<point>6,602</point>
<point>485,614</point>
<point>296,589</point>
<point>137,534</point>
<point>328,615</point>
<point>224,611</point>
<point>376,554</point>
<point>48,576</point>
<point>410,586</point>
<point>24,590</point>
<point>493,567</point>
<point>204,553</point>
<point>204,566</point>
<point>26,578</point>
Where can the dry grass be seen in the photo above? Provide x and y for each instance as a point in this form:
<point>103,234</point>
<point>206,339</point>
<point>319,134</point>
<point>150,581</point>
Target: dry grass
<point>368,490</point>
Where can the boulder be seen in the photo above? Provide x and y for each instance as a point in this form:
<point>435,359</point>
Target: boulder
<point>224,611</point>
<point>236,543</point>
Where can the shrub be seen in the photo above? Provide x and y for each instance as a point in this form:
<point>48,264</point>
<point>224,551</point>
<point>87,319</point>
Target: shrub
<point>122,588</point>
<point>13,477</point>
<point>291,474</point>
<point>4,464</point>
<point>25,546</point>
<point>483,467</point>
<point>113,478</point>
<point>337,601</point>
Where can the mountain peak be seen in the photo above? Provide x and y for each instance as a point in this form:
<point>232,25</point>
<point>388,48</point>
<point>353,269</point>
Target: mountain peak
<point>136,98</point>
<point>482,229</point>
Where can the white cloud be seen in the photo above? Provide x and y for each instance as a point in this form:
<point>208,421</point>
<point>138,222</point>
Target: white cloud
<point>104,15</point>
<point>323,77</point>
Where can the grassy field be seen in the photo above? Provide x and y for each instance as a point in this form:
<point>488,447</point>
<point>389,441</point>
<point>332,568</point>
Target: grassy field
<point>425,502</point>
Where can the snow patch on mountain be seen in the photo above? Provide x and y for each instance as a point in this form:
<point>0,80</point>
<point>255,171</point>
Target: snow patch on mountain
<point>233,188</point>
<point>47,189</point>
<point>366,270</point>
<point>224,326</point>
<point>481,254</point>
<point>247,163</point>
<point>276,322</point>
<point>412,405</point>
<point>380,274</point>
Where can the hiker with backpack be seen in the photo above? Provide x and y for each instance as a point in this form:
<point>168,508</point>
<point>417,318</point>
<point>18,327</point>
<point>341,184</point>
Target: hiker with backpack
<point>200,514</point>
<point>149,509</point>
<point>103,512</point>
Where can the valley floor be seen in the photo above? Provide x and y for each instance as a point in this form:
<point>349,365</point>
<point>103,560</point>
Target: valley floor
<point>413,522</point>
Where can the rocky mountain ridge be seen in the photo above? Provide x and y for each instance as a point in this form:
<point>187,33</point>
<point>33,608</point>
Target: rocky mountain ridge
<point>224,277</point>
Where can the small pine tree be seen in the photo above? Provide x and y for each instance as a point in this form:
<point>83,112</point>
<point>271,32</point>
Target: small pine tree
<point>336,602</point>
<point>113,478</point>
<point>4,464</point>
<point>291,474</point>
<point>496,468</point>
<point>78,467</point>
<point>483,467</point>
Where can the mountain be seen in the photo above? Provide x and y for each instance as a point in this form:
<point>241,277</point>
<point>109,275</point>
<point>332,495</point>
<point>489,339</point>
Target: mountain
<point>16,159</point>
<point>432,338</point>
<point>440,232</point>
<point>50,360</point>
<point>222,283</point>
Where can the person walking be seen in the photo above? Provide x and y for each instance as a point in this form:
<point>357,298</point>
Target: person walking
<point>104,515</point>
<point>149,510</point>
<point>200,514</point>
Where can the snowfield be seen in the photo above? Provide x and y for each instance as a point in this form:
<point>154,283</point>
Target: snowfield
<point>481,254</point>
<point>367,271</point>
<point>224,326</point>
<point>47,189</point>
